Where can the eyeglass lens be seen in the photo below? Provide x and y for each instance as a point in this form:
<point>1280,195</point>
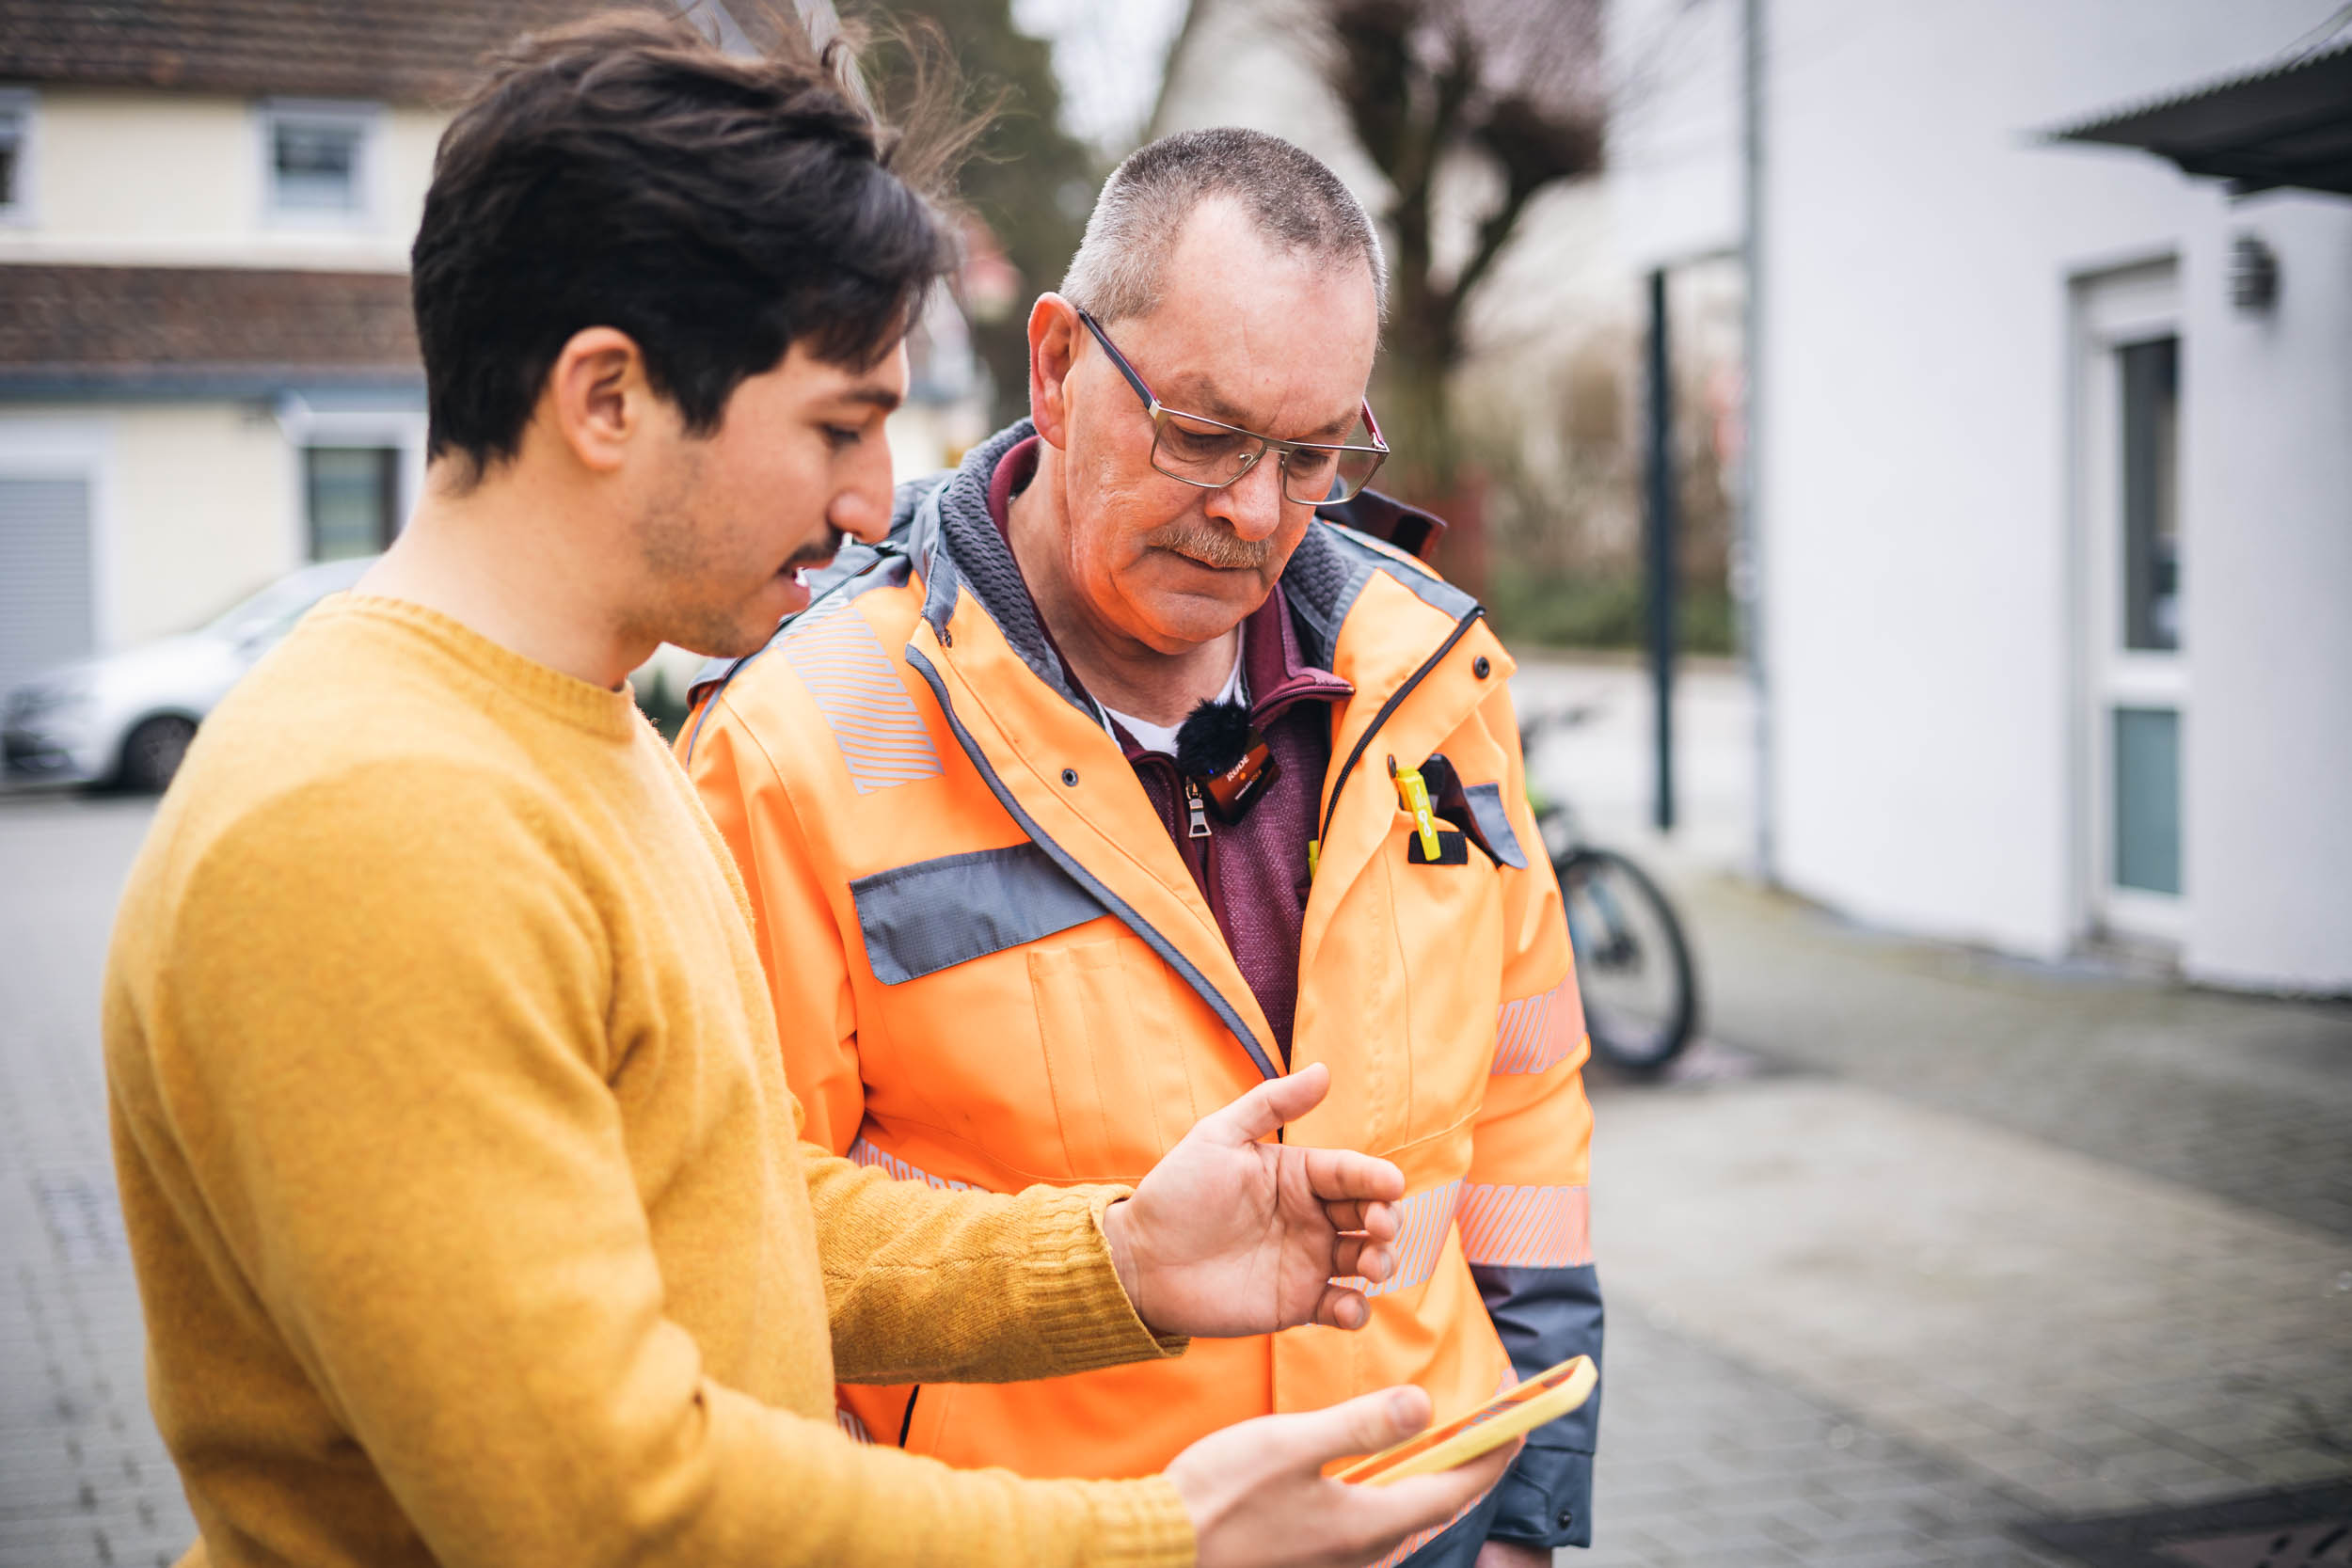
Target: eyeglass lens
<point>1201,452</point>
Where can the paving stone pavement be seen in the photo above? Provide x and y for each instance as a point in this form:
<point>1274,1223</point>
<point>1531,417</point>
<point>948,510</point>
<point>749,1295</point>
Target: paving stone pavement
<point>2244,1098</point>
<point>1773,1394</point>
<point>84,1479</point>
<point>2087,1337</point>
<point>1707,1460</point>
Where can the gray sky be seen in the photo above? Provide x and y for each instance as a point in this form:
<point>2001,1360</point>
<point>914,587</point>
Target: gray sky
<point>1109,55</point>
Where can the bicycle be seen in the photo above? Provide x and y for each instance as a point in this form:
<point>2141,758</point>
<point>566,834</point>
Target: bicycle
<point>1632,963</point>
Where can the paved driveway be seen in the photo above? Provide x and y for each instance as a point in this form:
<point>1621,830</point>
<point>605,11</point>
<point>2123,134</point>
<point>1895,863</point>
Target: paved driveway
<point>1930,1248</point>
<point>83,1476</point>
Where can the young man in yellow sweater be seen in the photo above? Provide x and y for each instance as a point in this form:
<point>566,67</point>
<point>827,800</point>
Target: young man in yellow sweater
<point>455,1146</point>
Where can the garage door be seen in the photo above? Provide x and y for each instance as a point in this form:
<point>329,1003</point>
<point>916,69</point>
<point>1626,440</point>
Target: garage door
<point>47,598</point>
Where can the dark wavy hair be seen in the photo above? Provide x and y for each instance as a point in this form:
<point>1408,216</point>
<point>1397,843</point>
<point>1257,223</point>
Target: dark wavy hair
<point>624,172</point>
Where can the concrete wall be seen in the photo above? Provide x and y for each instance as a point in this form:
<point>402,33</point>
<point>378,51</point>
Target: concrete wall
<point>1920,538</point>
<point>2268,483</point>
<point>120,177</point>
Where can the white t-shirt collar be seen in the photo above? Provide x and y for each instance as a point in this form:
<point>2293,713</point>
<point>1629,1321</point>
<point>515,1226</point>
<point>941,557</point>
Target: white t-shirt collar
<point>1162,737</point>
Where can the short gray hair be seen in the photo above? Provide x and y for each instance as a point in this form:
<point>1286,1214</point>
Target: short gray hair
<point>1296,203</point>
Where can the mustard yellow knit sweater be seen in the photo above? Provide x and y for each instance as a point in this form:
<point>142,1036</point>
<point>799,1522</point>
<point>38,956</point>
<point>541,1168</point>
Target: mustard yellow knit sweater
<point>462,1181</point>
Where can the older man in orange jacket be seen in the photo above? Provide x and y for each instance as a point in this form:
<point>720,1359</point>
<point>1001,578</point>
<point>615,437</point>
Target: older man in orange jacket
<point>1122,774</point>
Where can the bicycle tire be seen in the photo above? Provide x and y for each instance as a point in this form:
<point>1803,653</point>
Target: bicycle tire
<point>1614,1040</point>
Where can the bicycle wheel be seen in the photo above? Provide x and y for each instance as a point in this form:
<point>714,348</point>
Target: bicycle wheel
<point>1632,966</point>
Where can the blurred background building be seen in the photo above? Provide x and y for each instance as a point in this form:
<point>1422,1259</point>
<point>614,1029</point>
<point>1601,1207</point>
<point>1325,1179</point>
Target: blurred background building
<point>2039,593</point>
<point>2054,458</point>
<point>2053,503</point>
<point>208,366</point>
<point>2009,595</point>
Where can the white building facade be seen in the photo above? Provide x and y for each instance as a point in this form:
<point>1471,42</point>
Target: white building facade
<point>2055,531</point>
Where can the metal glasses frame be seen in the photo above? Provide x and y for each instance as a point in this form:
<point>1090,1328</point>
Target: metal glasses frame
<point>1160,414</point>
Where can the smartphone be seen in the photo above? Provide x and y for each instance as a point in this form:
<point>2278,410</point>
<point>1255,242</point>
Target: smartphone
<point>1544,1398</point>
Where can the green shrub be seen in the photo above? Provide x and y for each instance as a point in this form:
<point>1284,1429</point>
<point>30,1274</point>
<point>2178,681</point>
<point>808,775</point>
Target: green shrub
<point>664,708</point>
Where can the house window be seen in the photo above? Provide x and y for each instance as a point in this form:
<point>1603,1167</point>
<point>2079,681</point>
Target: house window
<point>316,160</point>
<point>16,118</point>
<point>352,495</point>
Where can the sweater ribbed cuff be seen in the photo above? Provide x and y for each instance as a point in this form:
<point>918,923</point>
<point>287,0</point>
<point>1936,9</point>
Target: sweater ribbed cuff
<point>1070,1289</point>
<point>1140,1524</point>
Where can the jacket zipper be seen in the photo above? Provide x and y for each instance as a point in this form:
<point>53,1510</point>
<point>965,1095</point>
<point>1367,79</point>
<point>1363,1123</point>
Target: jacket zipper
<point>1200,813</point>
<point>1388,709</point>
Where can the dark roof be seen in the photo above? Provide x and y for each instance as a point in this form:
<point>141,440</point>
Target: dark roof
<point>227,330</point>
<point>390,51</point>
<point>2286,125</point>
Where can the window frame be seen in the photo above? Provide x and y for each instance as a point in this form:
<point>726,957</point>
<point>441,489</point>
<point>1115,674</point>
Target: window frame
<point>364,119</point>
<point>23,106</point>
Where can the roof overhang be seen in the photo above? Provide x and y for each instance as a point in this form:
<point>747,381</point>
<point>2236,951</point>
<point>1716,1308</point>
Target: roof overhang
<point>2287,127</point>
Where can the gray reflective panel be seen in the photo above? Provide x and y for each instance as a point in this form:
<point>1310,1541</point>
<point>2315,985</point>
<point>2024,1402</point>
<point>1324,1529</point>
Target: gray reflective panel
<point>835,652</point>
<point>2148,799</point>
<point>922,918</point>
<point>47,604</point>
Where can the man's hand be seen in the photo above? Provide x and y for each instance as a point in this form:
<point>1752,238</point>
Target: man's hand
<point>1229,1235</point>
<point>1258,1498</point>
<point>1510,1553</point>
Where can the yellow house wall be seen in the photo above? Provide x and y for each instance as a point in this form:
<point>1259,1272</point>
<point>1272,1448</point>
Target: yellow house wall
<point>128,178</point>
<point>194,505</point>
<point>205,510</point>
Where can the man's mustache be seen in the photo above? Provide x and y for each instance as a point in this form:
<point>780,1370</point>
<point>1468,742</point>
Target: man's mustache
<point>818,553</point>
<point>1212,546</point>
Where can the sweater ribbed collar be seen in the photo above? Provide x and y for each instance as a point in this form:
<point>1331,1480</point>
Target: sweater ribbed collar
<point>609,714</point>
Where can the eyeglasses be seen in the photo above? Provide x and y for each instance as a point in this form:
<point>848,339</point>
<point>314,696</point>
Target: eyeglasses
<point>1213,454</point>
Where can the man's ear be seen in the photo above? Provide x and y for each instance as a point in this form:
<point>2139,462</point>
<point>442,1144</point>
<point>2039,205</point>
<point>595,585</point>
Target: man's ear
<point>1054,329</point>
<point>597,396</point>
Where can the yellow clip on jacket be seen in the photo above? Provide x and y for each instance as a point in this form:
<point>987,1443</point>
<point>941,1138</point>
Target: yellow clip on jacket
<point>992,967</point>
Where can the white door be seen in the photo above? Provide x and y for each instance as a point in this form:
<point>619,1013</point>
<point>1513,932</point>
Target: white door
<point>2135,707</point>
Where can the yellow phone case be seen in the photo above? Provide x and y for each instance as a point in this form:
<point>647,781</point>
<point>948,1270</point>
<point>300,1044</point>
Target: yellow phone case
<point>1544,1398</point>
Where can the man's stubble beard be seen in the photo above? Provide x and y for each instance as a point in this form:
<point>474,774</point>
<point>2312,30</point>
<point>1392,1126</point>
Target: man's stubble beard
<point>684,572</point>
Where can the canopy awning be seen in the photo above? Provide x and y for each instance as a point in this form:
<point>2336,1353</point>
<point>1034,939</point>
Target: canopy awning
<point>2287,126</point>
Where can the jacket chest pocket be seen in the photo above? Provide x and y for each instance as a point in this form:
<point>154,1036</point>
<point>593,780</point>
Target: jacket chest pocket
<point>1445,922</point>
<point>1116,1061</point>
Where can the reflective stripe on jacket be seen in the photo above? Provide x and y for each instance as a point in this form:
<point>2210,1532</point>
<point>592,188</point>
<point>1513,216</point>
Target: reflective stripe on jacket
<point>992,967</point>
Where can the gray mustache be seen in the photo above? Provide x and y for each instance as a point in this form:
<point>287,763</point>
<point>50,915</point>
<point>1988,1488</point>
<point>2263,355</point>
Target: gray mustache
<point>1212,546</point>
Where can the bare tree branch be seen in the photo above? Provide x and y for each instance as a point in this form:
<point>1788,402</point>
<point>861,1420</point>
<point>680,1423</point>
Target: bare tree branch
<point>1516,83</point>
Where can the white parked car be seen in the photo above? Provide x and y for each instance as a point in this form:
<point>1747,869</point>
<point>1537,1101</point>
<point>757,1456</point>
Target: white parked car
<point>127,718</point>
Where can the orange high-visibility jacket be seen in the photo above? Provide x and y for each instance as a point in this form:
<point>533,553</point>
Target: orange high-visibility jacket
<point>992,967</point>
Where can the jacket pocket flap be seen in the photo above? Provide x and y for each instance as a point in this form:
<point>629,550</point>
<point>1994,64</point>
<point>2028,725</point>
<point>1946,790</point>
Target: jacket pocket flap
<point>934,915</point>
<point>1491,823</point>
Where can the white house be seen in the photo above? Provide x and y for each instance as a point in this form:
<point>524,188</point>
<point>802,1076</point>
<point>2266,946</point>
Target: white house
<point>2055,459</point>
